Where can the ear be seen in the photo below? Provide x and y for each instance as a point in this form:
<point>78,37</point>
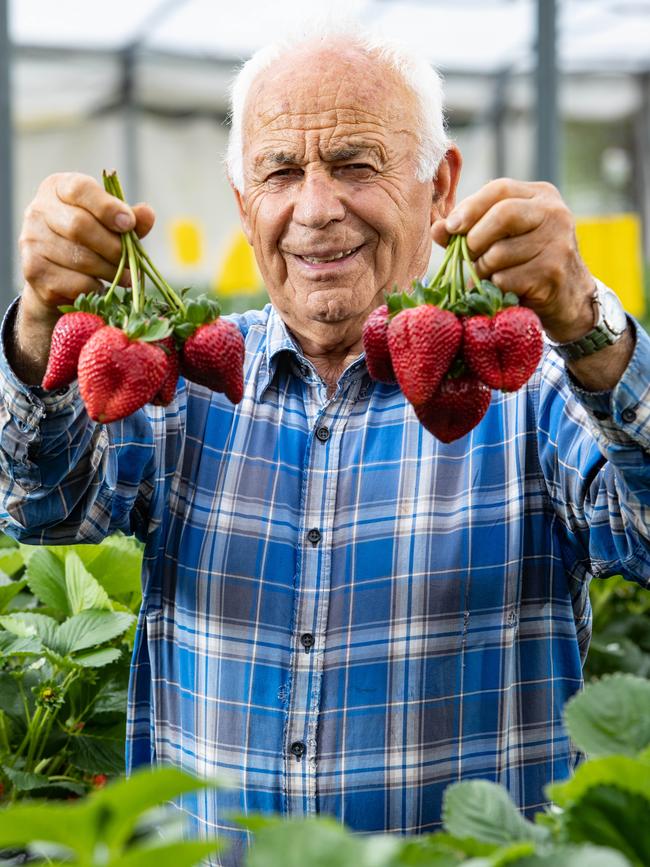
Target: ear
<point>243,213</point>
<point>445,184</point>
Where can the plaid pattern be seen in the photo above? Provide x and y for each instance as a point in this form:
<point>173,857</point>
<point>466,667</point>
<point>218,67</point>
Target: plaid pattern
<point>446,590</point>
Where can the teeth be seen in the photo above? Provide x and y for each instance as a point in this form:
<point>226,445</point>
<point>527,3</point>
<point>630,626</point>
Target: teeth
<point>317,261</point>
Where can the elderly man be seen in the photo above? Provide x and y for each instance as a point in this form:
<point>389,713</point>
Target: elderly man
<point>341,611</point>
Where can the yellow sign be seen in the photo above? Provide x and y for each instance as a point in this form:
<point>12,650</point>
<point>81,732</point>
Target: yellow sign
<point>238,274</point>
<point>611,247</point>
<point>187,241</point>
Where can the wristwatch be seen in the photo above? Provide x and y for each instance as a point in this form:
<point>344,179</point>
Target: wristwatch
<point>611,323</point>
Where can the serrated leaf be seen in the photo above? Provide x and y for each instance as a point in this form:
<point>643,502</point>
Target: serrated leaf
<point>118,566</point>
<point>97,755</point>
<point>318,842</point>
<point>11,645</point>
<point>184,330</point>
<point>27,623</point>
<point>11,701</point>
<point>23,781</point>
<point>97,658</point>
<point>111,698</point>
<point>82,590</point>
<point>183,853</point>
<point>8,589</point>
<point>611,716</point>
<point>91,628</point>
<point>484,811</point>
<point>156,329</point>
<point>45,576</point>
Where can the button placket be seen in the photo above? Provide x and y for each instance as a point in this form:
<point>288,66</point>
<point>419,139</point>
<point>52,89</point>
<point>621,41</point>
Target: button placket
<point>311,612</point>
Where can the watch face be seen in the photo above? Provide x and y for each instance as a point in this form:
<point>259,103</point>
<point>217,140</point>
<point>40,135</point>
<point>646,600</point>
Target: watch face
<point>613,312</point>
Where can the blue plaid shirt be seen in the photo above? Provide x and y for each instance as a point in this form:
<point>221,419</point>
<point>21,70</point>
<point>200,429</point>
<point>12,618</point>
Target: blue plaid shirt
<point>339,610</point>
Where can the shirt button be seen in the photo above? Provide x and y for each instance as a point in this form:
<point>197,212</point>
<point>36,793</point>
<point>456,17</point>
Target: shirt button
<point>601,416</point>
<point>298,749</point>
<point>314,536</point>
<point>307,640</point>
<point>323,434</point>
<point>628,415</point>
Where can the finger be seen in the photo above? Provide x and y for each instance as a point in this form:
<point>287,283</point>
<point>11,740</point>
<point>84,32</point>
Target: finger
<point>439,233</point>
<point>61,284</point>
<point>509,253</point>
<point>506,219</point>
<point>81,227</point>
<point>83,191</point>
<point>145,218</point>
<point>472,208</point>
<point>524,281</point>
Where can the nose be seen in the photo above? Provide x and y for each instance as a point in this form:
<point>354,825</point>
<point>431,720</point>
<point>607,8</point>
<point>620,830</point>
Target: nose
<point>318,202</point>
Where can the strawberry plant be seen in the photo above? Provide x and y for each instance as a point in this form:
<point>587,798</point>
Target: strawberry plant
<point>66,630</point>
<point>598,818</point>
<point>447,344</point>
<point>128,347</point>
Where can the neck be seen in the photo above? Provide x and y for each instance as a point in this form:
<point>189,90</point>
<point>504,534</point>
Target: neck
<point>331,359</point>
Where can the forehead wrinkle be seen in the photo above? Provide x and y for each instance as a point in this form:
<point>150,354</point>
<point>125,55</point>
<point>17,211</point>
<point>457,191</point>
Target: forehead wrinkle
<point>329,155</point>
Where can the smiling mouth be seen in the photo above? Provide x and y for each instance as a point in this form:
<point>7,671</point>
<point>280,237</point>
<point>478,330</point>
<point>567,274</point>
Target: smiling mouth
<point>322,260</point>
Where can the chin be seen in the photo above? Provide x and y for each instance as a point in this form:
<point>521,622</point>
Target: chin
<point>333,306</point>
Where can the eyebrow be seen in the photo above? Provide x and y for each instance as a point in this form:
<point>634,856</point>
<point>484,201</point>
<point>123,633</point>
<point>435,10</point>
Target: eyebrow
<point>284,158</point>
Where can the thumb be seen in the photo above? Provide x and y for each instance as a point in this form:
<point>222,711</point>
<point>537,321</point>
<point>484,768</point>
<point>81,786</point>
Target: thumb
<point>144,218</point>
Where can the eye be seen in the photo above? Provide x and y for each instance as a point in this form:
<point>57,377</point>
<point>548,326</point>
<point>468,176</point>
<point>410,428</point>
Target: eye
<point>283,175</point>
<point>357,171</point>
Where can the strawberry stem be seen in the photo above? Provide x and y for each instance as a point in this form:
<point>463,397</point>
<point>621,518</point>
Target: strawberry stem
<point>470,263</point>
<point>118,273</point>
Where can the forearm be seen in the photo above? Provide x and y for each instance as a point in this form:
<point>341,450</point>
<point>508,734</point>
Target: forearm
<point>28,342</point>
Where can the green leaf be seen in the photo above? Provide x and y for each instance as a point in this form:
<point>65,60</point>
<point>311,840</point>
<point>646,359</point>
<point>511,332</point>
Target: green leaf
<point>97,755</point>
<point>45,575</point>
<point>8,589</point>
<point>484,811</point>
<point>91,628</point>
<point>82,590</point>
<point>510,300</point>
<point>156,329</point>
<point>118,566</point>
<point>111,698</point>
<point>610,817</point>
<point>97,658</point>
<point>184,330</point>
<point>575,856</point>
<point>317,842</point>
<point>24,781</point>
<point>7,541</point>
<point>183,853</point>
<point>611,716</point>
<point>10,699</point>
<point>11,560</point>
<point>11,645</point>
<point>624,772</point>
<point>122,802</point>
<point>27,623</point>
<point>69,825</point>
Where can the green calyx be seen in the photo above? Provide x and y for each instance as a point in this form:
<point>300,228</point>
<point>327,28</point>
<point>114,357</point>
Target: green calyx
<point>456,287</point>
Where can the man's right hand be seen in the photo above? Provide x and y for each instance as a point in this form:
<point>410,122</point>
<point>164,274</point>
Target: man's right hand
<point>70,241</point>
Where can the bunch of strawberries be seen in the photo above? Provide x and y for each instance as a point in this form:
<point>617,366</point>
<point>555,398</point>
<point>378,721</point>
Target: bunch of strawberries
<point>447,345</point>
<point>128,348</point>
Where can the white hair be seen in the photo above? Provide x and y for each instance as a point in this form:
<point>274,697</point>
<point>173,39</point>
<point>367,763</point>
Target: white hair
<point>416,72</point>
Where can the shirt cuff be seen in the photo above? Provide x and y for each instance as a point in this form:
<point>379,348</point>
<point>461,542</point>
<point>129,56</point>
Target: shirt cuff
<point>624,412</point>
<point>28,403</point>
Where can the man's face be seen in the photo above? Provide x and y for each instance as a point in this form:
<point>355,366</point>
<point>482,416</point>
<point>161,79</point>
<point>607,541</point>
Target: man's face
<point>331,204</point>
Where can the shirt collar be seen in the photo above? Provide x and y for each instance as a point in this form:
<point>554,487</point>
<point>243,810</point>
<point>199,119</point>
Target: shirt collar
<point>278,341</point>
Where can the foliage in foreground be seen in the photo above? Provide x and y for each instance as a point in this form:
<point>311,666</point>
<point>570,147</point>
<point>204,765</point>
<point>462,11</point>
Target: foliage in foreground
<point>66,628</point>
<point>599,817</point>
<point>621,628</point>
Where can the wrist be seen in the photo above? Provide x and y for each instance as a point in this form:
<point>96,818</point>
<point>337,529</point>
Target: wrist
<point>584,315</point>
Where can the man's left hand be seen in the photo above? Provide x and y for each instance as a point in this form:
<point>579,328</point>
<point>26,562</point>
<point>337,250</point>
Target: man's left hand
<point>522,236</point>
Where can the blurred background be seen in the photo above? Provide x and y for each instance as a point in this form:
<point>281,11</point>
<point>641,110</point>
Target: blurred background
<point>535,89</point>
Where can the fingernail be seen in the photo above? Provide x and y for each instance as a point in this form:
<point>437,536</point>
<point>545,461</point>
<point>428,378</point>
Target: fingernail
<point>124,220</point>
<point>454,222</point>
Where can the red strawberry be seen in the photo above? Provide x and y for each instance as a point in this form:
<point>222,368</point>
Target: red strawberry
<point>214,356</point>
<point>167,390</point>
<point>70,333</point>
<point>423,342</point>
<point>375,343</point>
<point>457,407</point>
<point>504,350</point>
<point>117,375</point>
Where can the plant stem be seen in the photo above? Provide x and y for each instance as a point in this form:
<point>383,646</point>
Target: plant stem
<point>171,296</point>
<point>470,264</point>
<point>118,273</point>
<point>449,250</point>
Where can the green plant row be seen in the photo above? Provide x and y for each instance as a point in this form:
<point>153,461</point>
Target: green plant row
<point>598,817</point>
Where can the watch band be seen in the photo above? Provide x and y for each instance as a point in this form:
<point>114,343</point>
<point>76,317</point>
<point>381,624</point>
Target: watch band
<point>601,335</point>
